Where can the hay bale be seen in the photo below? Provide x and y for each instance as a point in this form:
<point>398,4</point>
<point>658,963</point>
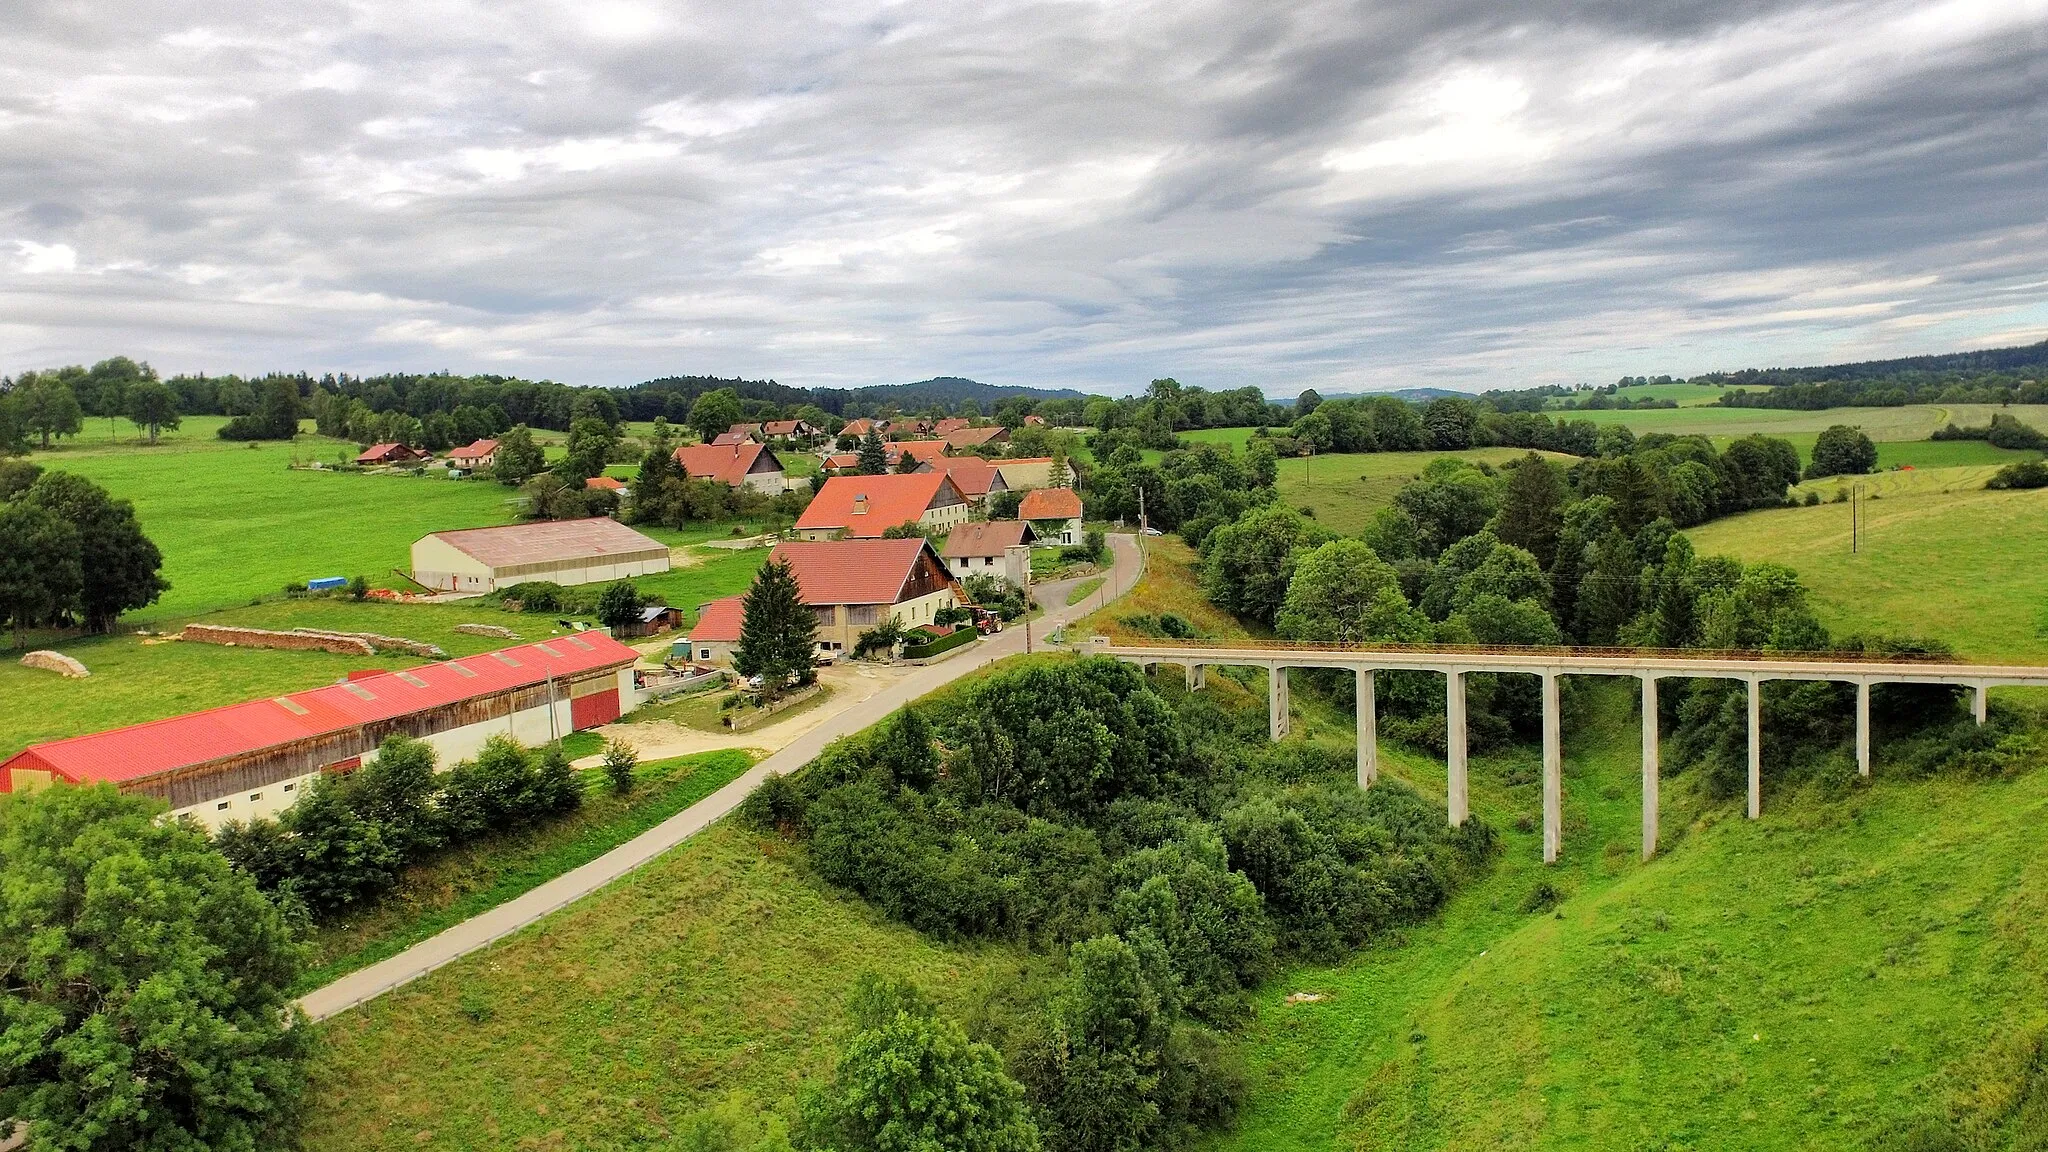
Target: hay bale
<point>56,662</point>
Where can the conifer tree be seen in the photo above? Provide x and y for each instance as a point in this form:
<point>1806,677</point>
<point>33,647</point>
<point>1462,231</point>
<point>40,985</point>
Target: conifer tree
<point>778,633</point>
<point>874,458</point>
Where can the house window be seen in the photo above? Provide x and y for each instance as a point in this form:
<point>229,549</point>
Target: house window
<point>222,806</point>
<point>703,653</point>
<point>289,787</point>
<point>255,796</point>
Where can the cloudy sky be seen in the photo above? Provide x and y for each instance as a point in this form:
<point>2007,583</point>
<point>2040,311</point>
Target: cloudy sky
<point>1338,195</point>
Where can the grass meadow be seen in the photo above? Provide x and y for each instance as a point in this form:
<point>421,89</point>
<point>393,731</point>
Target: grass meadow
<point>235,524</point>
<point>1806,981</point>
<point>722,966</point>
<point>1938,556</point>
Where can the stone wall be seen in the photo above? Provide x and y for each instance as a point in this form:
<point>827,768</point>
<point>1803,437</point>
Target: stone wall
<point>56,662</point>
<point>266,638</point>
<point>383,643</point>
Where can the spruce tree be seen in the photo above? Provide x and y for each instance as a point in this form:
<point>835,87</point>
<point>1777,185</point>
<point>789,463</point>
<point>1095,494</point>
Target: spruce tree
<point>778,634</point>
<point>874,458</point>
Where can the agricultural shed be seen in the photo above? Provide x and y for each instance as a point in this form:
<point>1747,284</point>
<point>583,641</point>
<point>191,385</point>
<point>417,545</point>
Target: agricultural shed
<point>388,454</point>
<point>560,551</point>
<point>257,758</point>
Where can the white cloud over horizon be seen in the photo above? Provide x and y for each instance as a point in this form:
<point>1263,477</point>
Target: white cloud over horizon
<point>1337,195</point>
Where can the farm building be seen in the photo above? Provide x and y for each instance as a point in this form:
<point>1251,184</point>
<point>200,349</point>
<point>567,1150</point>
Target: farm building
<point>981,548</point>
<point>1026,472</point>
<point>922,451</point>
<point>727,439</point>
<point>976,437</point>
<point>608,484</point>
<point>867,506</point>
<point>654,620</point>
<point>745,463</point>
<point>791,430</point>
<point>975,477</point>
<point>851,585</point>
<point>473,457</point>
<point>951,424</point>
<point>1055,513</point>
<point>389,454</point>
<point>560,551</point>
<point>256,759</point>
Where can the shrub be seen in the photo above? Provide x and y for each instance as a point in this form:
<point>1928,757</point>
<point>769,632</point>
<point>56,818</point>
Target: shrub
<point>619,762</point>
<point>2024,474</point>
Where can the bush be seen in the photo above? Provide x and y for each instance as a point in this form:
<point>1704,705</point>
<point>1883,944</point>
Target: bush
<point>2024,474</point>
<point>619,762</point>
<point>957,638</point>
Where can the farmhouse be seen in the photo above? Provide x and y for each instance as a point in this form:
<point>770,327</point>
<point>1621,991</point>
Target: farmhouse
<point>851,586</point>
<point>918,450</point>
<point>867,506</point>
<point>950,424</point>
<point>975,477</point>
<point>1026,472</point>
<point>744,431</point>
<point>861,427</point>
<point>753,465</point>
<point>976,437</point>
<point>1054,512</point>
<point>561,551</point>
<point>388,454</point>
<point>257,759</point>
<point>790,430</point>
<point>473,457</point>
<point>980,549</point>
<point>608,484</point>
<point>724,439</point>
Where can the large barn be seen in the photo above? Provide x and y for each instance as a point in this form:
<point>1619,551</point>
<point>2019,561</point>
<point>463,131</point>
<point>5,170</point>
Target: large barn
<point>559,551</point>
<point>256,759</point>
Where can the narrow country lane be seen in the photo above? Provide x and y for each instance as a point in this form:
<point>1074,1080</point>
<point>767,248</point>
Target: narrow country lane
<point>485,929</point>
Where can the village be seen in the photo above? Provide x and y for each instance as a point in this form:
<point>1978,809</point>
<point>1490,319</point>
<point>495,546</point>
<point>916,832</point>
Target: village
<point>916,539</point>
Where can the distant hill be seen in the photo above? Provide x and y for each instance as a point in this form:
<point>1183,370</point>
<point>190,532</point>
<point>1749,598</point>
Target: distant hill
<point>671,395</point>
<point>951,390</point>
<point>2015,359</point>
<point>1409,394</point>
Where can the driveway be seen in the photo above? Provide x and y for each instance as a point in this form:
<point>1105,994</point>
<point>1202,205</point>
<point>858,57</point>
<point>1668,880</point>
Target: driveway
<point>489,927</point>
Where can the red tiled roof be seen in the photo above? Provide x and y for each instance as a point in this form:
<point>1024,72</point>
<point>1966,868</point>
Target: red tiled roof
<point>728,462</point>
<point>378,452</point>
<point>719,621</point>
<point>949,424</point>
<point>733,438</point>
<point>1049,504</point>
<point>609,482</point>
<point>851,571</point>
<point>857,427</point>
<point>971,474</point>
<point>476,451</point>
<point>1034,421</point>
<point>918,450</point>
<point>145,750</point>
<point>883,502</point>
<point>974,437</point>
<point>781,427</point>
<point>545,540</point>
<point>839,460</point>
<point>986,538</point>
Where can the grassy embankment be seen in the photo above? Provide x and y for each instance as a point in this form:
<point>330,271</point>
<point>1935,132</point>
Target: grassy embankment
<point>235,524</point>
<point>461,883</point>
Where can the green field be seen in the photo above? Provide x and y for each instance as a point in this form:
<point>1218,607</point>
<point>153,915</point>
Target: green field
<point>1802,982</point>
<point>721,966</point>
<point>1345,489</point>
<point>1939,556</point>
<point>1684,395</point>
<point>234,522</point>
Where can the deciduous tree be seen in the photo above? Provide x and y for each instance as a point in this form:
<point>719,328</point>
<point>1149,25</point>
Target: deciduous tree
<point>152,407</point>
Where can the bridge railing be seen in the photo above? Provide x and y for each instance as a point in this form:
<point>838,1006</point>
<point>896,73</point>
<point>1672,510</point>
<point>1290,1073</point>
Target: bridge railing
<point>1613,651</point>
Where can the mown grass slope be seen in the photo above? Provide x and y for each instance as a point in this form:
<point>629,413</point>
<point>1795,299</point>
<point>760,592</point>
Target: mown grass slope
<point>721,966</point>
<point>1816,979</point>
<point>1939,556</point>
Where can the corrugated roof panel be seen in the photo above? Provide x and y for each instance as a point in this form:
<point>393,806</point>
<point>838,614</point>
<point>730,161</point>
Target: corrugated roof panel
<point>544,647</point>
<point>145,750</point>
<point>411,679</point>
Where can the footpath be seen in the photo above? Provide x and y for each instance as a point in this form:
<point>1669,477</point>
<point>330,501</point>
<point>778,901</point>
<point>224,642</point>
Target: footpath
<point>487,928</point>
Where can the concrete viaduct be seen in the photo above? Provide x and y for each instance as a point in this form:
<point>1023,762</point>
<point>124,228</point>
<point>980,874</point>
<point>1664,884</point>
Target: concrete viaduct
<point>1548,665</point>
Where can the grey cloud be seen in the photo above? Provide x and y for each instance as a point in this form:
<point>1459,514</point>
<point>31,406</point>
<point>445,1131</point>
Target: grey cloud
<point>1337,194</point>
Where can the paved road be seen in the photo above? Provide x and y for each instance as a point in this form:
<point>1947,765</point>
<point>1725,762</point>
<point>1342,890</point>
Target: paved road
<point>509,917</point>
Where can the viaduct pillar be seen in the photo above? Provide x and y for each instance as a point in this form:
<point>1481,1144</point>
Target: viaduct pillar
<point>1756,749</point>
<point>1368,731</point>
<point>1553,771</point>
<point>1276,701</point>
<point>1454,741</point>
<point>1650,783</point>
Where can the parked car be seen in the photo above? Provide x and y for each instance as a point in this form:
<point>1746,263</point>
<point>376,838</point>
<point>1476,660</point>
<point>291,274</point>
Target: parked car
<point>1154,532</point>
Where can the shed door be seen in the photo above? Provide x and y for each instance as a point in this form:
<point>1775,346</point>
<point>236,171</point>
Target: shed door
<point>594,709</point>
